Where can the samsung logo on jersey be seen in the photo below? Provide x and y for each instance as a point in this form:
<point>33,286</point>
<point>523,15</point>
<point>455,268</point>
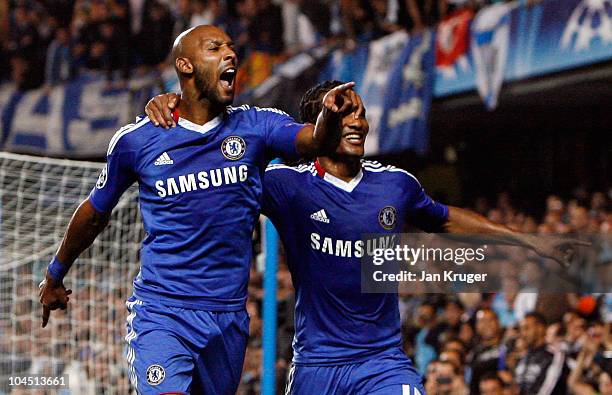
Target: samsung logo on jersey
<point>201,180</point>
<point>349,248</point>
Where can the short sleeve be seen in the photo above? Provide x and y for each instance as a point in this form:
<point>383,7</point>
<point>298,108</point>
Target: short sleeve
<point>280,134</point>
<point>276,192</point>
<point>116,176</point>
<point>423,211</point>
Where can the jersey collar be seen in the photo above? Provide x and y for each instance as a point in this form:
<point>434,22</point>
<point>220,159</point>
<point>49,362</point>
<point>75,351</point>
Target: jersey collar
<point>337,182</point>
<point>213,123</point>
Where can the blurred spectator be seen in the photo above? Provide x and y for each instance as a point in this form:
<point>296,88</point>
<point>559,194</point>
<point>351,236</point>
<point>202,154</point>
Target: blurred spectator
<point>443,378</point>
<point>182,17</point>
<point>103,42</point>
<point>59,67</point>
<point>305,24</point>
<point>593,369</point>
<point>491,384</point>
<point>539,370</point>
<point>266,33</point>
<point>424,353</point>
<point>26,47</point>
<point>448,327</point>
<point>503,302</point>
<point>454,357</point>
<point>201,13</point>
<point>487,356</point>
<point>156,34</point>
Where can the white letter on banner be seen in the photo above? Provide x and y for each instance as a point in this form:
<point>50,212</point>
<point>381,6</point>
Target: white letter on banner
<point>94,106</point>
<point>28,123</point>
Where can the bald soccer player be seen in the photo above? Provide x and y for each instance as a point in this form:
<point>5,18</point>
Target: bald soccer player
<point>200,190</point>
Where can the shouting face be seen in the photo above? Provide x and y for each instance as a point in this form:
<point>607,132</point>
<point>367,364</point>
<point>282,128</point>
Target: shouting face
<point>206,54</point>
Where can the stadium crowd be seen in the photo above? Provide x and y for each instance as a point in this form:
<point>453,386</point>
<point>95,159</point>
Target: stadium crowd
<point>515,341</point>
<point>51,41</point>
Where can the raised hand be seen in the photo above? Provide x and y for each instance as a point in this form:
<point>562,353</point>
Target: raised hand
<point>343,99</point>
<point>159,109</point>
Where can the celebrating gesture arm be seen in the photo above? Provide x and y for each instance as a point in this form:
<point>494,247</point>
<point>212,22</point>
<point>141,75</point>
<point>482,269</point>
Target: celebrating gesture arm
<point>462,221</point>
<point>311,140</point>
<point>85,225</point>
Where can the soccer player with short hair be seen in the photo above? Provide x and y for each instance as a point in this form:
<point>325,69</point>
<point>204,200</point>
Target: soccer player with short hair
<point>348,342</point>
<point>200,192</point>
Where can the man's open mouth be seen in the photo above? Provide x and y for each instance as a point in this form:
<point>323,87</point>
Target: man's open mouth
<point>227,77</point>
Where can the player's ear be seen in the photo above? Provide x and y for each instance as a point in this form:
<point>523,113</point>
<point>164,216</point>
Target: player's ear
<point>183,65</point>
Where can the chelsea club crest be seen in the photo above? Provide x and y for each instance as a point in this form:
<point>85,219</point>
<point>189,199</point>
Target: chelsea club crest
<point>155,374</point>
<point>233,147</point>
<point>387,217</point>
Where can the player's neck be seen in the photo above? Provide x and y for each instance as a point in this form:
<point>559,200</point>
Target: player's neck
<point>199,110</point>
<point>345,170</point>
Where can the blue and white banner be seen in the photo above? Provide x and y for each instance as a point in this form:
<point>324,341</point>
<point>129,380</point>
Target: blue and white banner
<point>384,55</point>
<point>490,36</point>
<point>77,119</point>
<point>408,95</point>
<point>548,37</point>
<point>346,65</point>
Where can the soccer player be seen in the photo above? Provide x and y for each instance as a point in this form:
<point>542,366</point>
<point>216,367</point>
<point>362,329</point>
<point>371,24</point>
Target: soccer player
<point>200,192</point>
<point>348,342</point>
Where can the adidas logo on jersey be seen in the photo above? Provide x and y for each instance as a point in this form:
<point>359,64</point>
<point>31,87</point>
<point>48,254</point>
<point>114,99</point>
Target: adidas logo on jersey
<point>164,159</point>
<point>320,216</point>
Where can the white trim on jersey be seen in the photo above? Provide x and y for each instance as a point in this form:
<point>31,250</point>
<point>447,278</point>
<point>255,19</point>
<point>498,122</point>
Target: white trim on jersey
<point>378,168</point>
<point>243,107</point>
<point>123,131</point>
<point>346,186</point>
<point>371,163</point>
<point>308,167</point>
<point>270,109</point>
<point>201,128</point>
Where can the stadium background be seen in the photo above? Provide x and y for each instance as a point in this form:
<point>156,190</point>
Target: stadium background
<point>534,153</point>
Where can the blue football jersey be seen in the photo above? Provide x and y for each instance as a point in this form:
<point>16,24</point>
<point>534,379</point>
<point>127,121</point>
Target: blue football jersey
<point>321,220</point>
<point>199,194</point>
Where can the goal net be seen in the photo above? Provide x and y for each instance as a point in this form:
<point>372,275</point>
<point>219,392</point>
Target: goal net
<point>37,199</point>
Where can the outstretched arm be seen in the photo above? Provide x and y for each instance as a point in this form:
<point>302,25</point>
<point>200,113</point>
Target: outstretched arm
<point>311,140</point>
<point>462,221</point>
<point>85,225</point>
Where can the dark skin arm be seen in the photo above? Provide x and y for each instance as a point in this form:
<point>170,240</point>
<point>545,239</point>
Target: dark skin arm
<point>312,140</point>
<point>85,225</point>
<point>462,221</point>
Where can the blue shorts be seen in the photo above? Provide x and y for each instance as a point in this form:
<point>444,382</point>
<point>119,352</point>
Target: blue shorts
<point>388,374</point>
<point>178,350</point>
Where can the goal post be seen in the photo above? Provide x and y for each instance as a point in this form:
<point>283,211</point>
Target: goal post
<point>37,199</point>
